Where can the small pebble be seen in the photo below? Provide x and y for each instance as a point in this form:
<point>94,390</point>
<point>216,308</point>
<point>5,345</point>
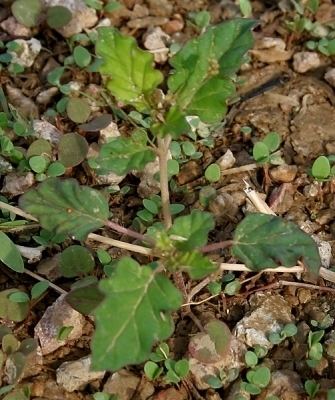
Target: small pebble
<point>330,77</point>
<point>14,28</point>
<point>284,173</point>
<point>305,61</point>
<point>227,160</point>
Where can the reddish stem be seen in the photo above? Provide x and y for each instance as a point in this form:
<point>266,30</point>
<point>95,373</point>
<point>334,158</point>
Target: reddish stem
<point>125,231</point>
<point>217,246</point>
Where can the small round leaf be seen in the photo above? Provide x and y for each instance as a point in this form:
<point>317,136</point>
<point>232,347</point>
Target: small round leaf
<point>75,261</point>
<point>213,173</point>
<point>26,12</point>
<point>38,164</point>
<point>272,140</point>
<point>58,16</point>
<point>56,169</point>
<point>261,152</point>
<point>19,297</point>
<point>38,289</point>
<point>72,149</point>
<point>321,168</point>
<point>81,56</point>
<point>78,110</point>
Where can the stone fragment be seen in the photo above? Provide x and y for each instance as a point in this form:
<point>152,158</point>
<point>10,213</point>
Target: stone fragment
<point>83,17</point>
<point>284,173</point>
<point>58,315</point>
<point>27,52</point>
<point>15,184</point>
<point>269,317</point>
<point>45,97</point>
<point>270,50</point>
<point>14,28</point>
<point>330,77</point>
<point>227,160</point>
<point>45,130</point>
<point>156,41</point>
<point>305,61</point>
<point>126,386</point>
<point>285,384</point>
<point>172,394</point>
<point>75,375</point>
<point>24,104</point>
<point>146,22</point>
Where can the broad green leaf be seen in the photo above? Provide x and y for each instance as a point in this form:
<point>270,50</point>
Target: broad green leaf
<point>201,81</point>
<point>191,231</point>
<point>12,311</point>
<point>135,314</point>
<point>124,154</point>
<point>195,264</point>
<point>85,299</point>
<point>266,241</point>
<point>72,149</point>
<point>76,260</point>
<point>26,12</point>
<point>131,77</point>
<point>9,254</point>
<point>65,207</point>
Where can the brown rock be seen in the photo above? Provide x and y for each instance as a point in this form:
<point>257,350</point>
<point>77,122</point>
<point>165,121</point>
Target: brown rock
<point>305,61</point>
<point>146,22</point>
<point>14,28</point>
<point>284,173</point>
<point>189,172</point>
<point>286,385</point>
<point>173,26</point>
<point>15,184</point>
<point>172,394</point>
<point>23,103</point>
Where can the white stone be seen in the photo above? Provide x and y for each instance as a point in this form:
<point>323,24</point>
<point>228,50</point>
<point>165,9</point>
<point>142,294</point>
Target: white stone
<point>305,61</point>
<point>330,77</point>
<point>227,160</point>
<point>155,41</point>
<point>47,131</point>
<point>75,375</point>
<point>111,131</point>
<point>27,53</point>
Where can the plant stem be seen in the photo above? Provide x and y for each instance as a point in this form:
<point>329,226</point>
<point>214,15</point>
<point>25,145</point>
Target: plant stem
<point>163,151</point>
<point>121,245</point>
<point>125,231</point>
<point>217,246</point>
<point>39,278</point>
<point>17,211</point>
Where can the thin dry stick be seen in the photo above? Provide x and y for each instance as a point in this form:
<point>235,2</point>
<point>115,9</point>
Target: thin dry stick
<point>243,268</point>
<point>163,151</point>
<point>39,278</point>
<point>17,211</point>
<point>217,246</point>
<point>121,245</point>
<point>237,170</point>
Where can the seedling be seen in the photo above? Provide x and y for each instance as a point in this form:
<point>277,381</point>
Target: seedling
<point>322,168</point>
<point>161,364</point>
<point>289,330</point>
<point>315,348</point>
<point>257,379</point>
<point>266,151</point>
<point>311,388</point>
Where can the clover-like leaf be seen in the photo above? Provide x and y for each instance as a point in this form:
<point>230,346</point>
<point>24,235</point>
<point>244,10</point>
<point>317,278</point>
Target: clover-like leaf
<point>201,80</point>
<point>65,207</point>
<point>124,154</point>
<point>9,254</point>
<point>131,77</point>
<point>191,231</point>
<point>266,241</point>
<point>134,315</point>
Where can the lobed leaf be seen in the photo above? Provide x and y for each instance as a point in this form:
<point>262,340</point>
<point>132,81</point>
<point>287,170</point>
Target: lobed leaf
<point>131,77</point>
<point>135,314</point>
<point>266,241</point>
<point>201,81</point>
<point>124,154</point>
<point>191,231</point>
<point>65,207</point>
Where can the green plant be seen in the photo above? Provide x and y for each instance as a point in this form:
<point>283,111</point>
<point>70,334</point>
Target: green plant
<point>257,379</point>
<point>173,371</point>
<point>315,348</point>
<point>288,330</point>
<point>311,388</point>
<point>200,84</point>
<point>266,151</point>
<point>322,169</point>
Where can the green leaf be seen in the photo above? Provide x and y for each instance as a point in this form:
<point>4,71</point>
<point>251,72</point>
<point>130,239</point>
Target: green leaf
<point>272,140</point>
<point>19,297</point>
<point>26,12</point>
<point>64,332</point>
<point>246,8</point>
<point>200,81</point>
<point>251,359</point>
<point>195,264</point>
<point>76,261</point>
<point>266,241</point>
<point>131,76</point>
<point>85,299</point>
<point>135,313</point>
<point>213,173</point>
<point>9,344</point>
<point>78,110</point>
<point>72,149</point>
<point>56,169</point>
<point>260,152</point>
<point>191,231</point>
<point>9,254</point>
<point>38,164</point>
<point>152,370</point>
<point>321,168</point>
<point>182,368</point>
<point>39,147</point>
<point>261,377</point>
<point>12,311</point>
<point>124,154</point>
<point>65,207</point>
<point>58,16</point>
<point>82,56</point>
<point>220,334</point>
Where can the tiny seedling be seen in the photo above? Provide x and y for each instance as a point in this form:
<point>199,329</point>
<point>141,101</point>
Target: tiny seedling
<point>311,388</point>
<point>266,151</point>
<point>257,379</point>
<point>289,330</point>
<point>315,348</point>
<point>322,168</point>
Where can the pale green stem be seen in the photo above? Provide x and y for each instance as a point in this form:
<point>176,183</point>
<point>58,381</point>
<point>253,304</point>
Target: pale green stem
<point>163,153</point>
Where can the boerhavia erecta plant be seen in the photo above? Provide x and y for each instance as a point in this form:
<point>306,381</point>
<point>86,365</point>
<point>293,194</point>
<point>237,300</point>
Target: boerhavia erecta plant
<point>133,306</point>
